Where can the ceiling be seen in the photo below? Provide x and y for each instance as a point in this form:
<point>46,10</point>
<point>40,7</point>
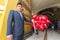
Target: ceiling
<point>38,5</point>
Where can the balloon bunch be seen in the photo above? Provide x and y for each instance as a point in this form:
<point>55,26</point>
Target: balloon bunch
<point>40,22</point>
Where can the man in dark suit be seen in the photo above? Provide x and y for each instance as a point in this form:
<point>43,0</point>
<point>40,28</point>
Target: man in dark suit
<point>16,31</point>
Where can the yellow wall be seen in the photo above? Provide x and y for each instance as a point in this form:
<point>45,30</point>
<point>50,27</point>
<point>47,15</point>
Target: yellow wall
<point>3,4</point>
<point>10,4</point>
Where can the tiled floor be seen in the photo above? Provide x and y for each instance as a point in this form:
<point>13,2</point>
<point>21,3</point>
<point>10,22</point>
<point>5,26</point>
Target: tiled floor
<point>51,35</point>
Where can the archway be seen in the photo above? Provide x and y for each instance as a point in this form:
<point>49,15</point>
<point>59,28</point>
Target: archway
<point>53,13</point>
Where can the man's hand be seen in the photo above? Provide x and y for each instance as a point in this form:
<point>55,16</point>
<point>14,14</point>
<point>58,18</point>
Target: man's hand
<point>32,14</point>
<point>9,37</point>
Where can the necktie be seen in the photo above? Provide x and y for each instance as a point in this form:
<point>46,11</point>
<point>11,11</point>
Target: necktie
<point>21,15</point>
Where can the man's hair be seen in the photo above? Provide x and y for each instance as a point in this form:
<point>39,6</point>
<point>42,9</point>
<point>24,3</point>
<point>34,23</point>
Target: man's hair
<point>19,4</point>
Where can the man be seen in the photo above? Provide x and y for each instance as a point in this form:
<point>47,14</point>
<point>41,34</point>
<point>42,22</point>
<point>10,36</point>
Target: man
<point>16,31</point>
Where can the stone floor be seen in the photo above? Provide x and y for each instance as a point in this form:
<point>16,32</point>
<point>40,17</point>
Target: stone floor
<point>37,37</point>
<point>51,35</point>
<point>58,31</point>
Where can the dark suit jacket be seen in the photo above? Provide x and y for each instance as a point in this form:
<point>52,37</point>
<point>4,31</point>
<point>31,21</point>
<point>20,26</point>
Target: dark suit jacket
<point>17,30</point>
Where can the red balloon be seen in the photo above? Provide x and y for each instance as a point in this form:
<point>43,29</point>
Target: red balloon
<point>37,26</point>
<point>35,17</point>
<point>40,17</point>
<point>44,17</point>
<point>45,26</point>
<point>43,22</point>
<point>48,21</point>
<point>40,22</point>
<point>41,27</point>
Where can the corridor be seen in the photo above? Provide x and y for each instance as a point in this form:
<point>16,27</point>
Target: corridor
<point>50,35</point>
<point>50,8</point>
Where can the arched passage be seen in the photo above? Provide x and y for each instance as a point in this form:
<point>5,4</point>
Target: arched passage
<point>53,13</point>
